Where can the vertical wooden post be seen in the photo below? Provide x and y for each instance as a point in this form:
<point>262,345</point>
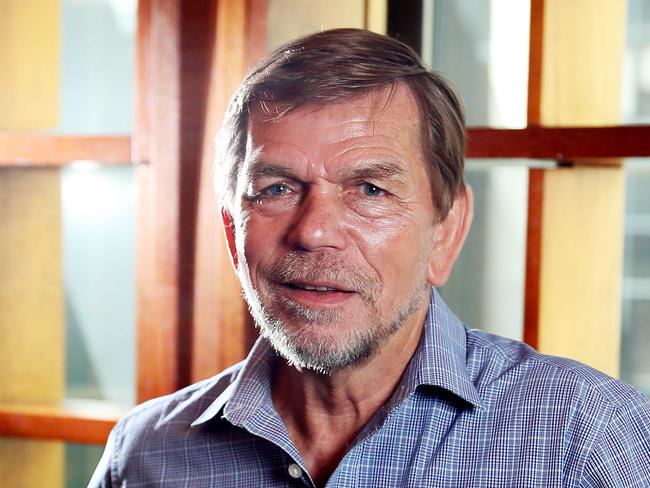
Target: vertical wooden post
<point>32,316</point>
<point>32,313</point>
<point>223,330</point>
<point>174,54</point>
<point>574,258</point>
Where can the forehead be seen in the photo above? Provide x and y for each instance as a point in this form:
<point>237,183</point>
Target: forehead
<point>386,116</point>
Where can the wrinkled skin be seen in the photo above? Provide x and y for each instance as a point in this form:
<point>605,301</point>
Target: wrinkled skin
<point>336,236</point>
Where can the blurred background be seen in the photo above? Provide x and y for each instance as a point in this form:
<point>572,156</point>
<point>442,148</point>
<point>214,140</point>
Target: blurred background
<point>115,286</point>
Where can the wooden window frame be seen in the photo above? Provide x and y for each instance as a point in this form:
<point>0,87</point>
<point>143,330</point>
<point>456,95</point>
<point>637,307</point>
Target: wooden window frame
<point>180,91</point>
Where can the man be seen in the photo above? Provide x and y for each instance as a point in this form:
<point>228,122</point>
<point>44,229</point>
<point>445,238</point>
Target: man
<point>341,163</point>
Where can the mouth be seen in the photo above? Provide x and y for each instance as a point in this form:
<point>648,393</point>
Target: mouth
<point>321,288</point>
<point>318,295</point>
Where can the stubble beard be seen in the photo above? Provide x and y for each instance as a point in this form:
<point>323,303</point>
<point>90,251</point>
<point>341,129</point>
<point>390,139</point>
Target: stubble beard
<point>302,345</point>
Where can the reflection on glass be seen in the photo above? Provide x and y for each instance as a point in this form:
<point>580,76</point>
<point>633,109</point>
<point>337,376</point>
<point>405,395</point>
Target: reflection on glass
<point>97,49</point>
<point>635,340</point>
<point>636,73</point>
<point>482,46</point>
<point>98,208</point>
<point>486,288</point>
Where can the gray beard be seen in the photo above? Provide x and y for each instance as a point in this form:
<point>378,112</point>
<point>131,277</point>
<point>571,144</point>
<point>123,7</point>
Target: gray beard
<point>326,357</point>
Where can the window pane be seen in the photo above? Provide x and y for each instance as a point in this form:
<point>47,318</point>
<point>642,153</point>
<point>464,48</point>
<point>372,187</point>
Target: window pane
<point>635,340</point>
<point>29,462</point>
<point>98,208</point>
<point>636,73</point>
<point>97,66</point>
<point>67,308</point>
<point>289,19</point>
<point>80,463</point>
<point>67,66</point>
<point>482,46</point>
<point>486,287</point>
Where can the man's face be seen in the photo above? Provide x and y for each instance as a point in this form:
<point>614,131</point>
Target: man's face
<point>335,227</point>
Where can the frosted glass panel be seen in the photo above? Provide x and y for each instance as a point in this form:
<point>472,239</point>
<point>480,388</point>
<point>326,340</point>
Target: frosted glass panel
<point>636,73</point>
<point>44,463</point>
<point>98,208</point>
<point>80,462</point>
<point>486,287</point>
<point>97,66</point>
<point>67,66</point>
<point>635,340</point>
<point>482,46</point>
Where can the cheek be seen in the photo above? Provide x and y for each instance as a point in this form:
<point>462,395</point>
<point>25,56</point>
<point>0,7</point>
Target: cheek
<point>393,247</point>
<point>260,240</point>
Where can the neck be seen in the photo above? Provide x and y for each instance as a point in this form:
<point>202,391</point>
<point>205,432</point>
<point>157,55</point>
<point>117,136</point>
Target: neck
<point>325,413</point>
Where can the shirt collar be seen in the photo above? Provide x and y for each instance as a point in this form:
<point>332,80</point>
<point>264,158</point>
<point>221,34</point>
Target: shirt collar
<point>440,361</point>
<point>441,357</point>
<point>249,390</point>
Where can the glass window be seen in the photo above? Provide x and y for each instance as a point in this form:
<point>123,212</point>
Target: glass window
<point>486,287</point>
<point>482,46</point>
<point>67,66</point>
<point>98,209</point>
<point>97,66</point>
<point>29,462</point>
<point>636,72</point>
<point>635,340</point>
<point>80,463</point>
<point>67,293</point>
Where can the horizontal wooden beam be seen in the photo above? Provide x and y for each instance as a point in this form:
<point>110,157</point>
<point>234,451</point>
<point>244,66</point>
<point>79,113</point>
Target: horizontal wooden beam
<point>26,150</point>
<point>557,143</point>
<point>560,143</point>
<point>88,423</point>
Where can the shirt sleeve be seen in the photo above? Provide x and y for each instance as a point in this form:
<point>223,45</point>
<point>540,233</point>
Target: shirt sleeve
<point>102,477</point>
<point>621,456</point>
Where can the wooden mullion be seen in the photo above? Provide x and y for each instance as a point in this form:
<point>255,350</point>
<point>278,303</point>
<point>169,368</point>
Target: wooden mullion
<point>61,428</point>
<point>560,143</point>
<point>220,330</point>
<point>158,123</point>
<point>535,179</point>
<point>535,52</point>
<point>175,43</point>
<point>88,423</point>
<point>533,257</point>
<point>26,150</point>
<point>141,83</point>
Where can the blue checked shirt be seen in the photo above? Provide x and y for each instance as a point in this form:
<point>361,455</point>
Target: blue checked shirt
<point>471,410</point>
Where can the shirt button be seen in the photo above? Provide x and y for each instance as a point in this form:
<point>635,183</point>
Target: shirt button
<point>295,471</point>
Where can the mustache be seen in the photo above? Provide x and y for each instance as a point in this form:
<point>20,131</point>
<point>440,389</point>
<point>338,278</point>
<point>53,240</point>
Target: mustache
<point>296,266</point>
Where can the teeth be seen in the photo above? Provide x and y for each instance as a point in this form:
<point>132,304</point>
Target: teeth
<point>316,288</point>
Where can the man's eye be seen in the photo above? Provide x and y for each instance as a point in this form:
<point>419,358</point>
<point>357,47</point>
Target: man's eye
<point>371,190</point>
<point>275,190</point>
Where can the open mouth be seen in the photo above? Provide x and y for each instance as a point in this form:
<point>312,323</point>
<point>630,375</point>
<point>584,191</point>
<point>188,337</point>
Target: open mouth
<point>317,294</point>
<point>321,289</point>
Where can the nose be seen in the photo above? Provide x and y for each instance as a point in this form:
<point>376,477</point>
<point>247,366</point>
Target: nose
<point>318,224</point>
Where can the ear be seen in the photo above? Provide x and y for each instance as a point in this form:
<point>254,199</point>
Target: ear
<point>229,231</point>
<point>449,237</point>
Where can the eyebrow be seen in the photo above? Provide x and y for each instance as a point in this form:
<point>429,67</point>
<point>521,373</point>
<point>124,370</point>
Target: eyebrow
<point>384,170</point>
<point>265,170</point>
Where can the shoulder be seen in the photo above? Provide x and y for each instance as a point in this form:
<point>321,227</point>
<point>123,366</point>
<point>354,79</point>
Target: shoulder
<point>500,365</point>
<point>157,418</point>
<point>154,429</point>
